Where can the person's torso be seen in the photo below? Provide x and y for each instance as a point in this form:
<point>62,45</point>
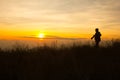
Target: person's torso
<point>97,36</point>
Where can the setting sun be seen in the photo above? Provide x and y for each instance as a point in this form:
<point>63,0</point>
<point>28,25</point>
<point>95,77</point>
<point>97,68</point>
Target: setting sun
<point>41,35</point>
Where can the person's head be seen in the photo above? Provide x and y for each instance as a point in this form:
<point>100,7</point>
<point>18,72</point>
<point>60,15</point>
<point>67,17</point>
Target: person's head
<point>96,30</point>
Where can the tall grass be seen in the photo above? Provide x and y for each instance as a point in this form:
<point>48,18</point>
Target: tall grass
<point>64,63</point>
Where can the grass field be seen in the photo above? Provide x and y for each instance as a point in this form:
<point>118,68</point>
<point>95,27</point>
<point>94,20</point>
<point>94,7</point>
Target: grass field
<point>66,63</point>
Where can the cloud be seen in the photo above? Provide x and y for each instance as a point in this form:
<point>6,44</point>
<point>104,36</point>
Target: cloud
<point>50,37</point>
<point>77,13</point>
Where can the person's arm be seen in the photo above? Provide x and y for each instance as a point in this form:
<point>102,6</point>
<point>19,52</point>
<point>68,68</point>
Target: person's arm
<point>92,36</point>
<point>100,34</point>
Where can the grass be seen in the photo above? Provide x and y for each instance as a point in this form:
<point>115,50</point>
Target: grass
<point>65,63</point>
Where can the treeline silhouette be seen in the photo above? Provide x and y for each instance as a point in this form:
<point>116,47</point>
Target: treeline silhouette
<point>66,63</point>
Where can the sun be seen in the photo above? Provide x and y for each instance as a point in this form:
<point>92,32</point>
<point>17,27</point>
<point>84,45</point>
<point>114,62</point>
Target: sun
<point>41,35</point>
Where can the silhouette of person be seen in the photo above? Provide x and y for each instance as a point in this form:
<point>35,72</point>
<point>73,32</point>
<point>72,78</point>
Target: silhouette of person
<point>97,38</point>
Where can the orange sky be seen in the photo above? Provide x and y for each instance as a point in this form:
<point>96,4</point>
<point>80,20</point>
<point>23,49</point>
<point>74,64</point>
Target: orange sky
<point>59,18</point>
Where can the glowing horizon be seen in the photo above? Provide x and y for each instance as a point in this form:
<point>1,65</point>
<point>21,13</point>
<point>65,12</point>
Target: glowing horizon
<point>62,18</point>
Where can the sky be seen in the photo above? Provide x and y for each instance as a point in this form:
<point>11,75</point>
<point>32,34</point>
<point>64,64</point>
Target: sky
<point>59,18</point>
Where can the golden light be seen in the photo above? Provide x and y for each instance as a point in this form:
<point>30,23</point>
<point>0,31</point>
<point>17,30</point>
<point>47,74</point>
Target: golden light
<point>41,35</point>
